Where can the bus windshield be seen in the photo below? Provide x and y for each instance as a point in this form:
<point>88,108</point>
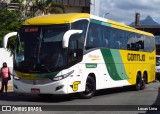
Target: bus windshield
<point>39,48</point>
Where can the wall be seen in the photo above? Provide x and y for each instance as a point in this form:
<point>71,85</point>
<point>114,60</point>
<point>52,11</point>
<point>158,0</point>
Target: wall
<point>6,56</point>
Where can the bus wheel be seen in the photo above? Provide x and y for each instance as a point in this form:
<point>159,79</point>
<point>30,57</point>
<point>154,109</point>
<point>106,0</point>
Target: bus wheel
<point>138,84</point>
<point>46,96</point>
<point>143,83</point>
<point>90,89</point>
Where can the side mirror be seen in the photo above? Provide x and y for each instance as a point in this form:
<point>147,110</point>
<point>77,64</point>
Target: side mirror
<point>67,36</point>
<point>5,39</point>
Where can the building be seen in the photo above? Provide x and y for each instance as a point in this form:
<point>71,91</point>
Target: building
<point>149,26</point>
<point>76,5</point>
<point>13,6</point>
<point>70,5</point>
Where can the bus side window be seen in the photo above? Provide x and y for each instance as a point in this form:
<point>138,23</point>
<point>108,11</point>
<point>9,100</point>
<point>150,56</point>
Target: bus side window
<point>99,37</point>
<point>90,39</point>
<point>106,42</point>
<point>149,44</point>
<point>112,38</point>
<point>106,35</point>
<point>94,36</point>
<point>80,25</point>
<point>131,43</point>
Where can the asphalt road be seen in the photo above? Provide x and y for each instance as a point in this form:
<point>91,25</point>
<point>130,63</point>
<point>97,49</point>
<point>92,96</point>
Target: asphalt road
<point>117,100</point>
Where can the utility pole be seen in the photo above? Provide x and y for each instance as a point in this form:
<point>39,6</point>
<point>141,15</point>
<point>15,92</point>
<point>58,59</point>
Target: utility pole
<point>105,14</point>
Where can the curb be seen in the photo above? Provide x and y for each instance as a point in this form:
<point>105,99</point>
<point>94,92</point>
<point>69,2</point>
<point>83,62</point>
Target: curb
<point>10,87</point>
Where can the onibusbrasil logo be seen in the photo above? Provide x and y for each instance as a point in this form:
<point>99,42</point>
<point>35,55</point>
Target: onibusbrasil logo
<point>21,108</point>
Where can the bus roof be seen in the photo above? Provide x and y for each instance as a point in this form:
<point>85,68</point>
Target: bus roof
<point>128,28</point>
<point>55,19</point>
<point>121,26</point>
<point>70,17</point>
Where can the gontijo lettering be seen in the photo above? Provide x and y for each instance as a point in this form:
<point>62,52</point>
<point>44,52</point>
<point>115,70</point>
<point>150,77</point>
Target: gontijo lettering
<point>135,57</point>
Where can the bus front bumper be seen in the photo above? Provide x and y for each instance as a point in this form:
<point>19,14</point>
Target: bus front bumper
<point>58,87</point>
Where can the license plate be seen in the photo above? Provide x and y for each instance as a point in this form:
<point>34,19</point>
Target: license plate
<point>35,90</point>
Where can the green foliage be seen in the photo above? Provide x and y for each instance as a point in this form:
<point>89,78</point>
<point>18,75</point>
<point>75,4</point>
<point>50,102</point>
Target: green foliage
<point>57,8</point>
<point>48,6</point>
<point>10,21</point>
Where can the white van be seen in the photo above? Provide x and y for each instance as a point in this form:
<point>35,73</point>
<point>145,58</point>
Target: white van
<point>158,67</point>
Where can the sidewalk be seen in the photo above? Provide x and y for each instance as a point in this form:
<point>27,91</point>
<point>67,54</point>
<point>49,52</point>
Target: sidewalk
<point>10,85</point>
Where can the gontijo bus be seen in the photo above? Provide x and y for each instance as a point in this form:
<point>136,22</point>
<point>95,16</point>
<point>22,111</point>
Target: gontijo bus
<point>78,52</point>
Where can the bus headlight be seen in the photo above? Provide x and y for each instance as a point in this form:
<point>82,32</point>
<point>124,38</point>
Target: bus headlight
<point>57,78</point>
<point>16,77</point>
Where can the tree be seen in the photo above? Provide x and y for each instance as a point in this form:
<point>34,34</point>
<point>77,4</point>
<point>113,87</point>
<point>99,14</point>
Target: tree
<point>48,6</point>
<point>31,8</point>
<point>10,21</point>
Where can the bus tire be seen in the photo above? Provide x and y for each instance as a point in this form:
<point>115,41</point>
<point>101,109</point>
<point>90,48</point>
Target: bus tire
<point>158,77</point>
<point>90,89</point>
<point>138,84</point>
<point>143,83</point>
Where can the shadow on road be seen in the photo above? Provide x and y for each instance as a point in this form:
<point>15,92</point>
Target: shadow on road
<point>156,105</point>
<point>113,90</point>
<point>12,96</point>
<point>18,97</point>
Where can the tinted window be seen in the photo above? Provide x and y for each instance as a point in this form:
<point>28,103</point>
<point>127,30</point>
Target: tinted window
<point>80,25</point>
<point>100,35</point>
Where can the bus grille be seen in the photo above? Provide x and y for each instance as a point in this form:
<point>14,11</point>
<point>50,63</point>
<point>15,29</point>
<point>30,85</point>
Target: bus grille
<point>36,82</point>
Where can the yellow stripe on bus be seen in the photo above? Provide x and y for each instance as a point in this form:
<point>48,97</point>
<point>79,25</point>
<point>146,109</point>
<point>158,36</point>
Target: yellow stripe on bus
<point>55,19</point>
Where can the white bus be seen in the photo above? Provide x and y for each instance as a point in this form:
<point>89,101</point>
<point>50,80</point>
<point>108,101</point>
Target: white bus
<point>81,53</point>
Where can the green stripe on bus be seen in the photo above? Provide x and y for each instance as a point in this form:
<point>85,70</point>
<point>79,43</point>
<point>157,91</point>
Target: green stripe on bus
<point>105,24</point>
<point>95,21</point>
<point>119,64</point>
<point>110,64</point>
<point>100,23</point>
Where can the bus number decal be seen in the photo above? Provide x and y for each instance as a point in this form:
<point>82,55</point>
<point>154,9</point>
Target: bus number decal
<point>75,85</point>
<point>151,58</point>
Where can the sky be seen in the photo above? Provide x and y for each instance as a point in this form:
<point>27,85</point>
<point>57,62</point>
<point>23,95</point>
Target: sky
<point>124,10</point>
